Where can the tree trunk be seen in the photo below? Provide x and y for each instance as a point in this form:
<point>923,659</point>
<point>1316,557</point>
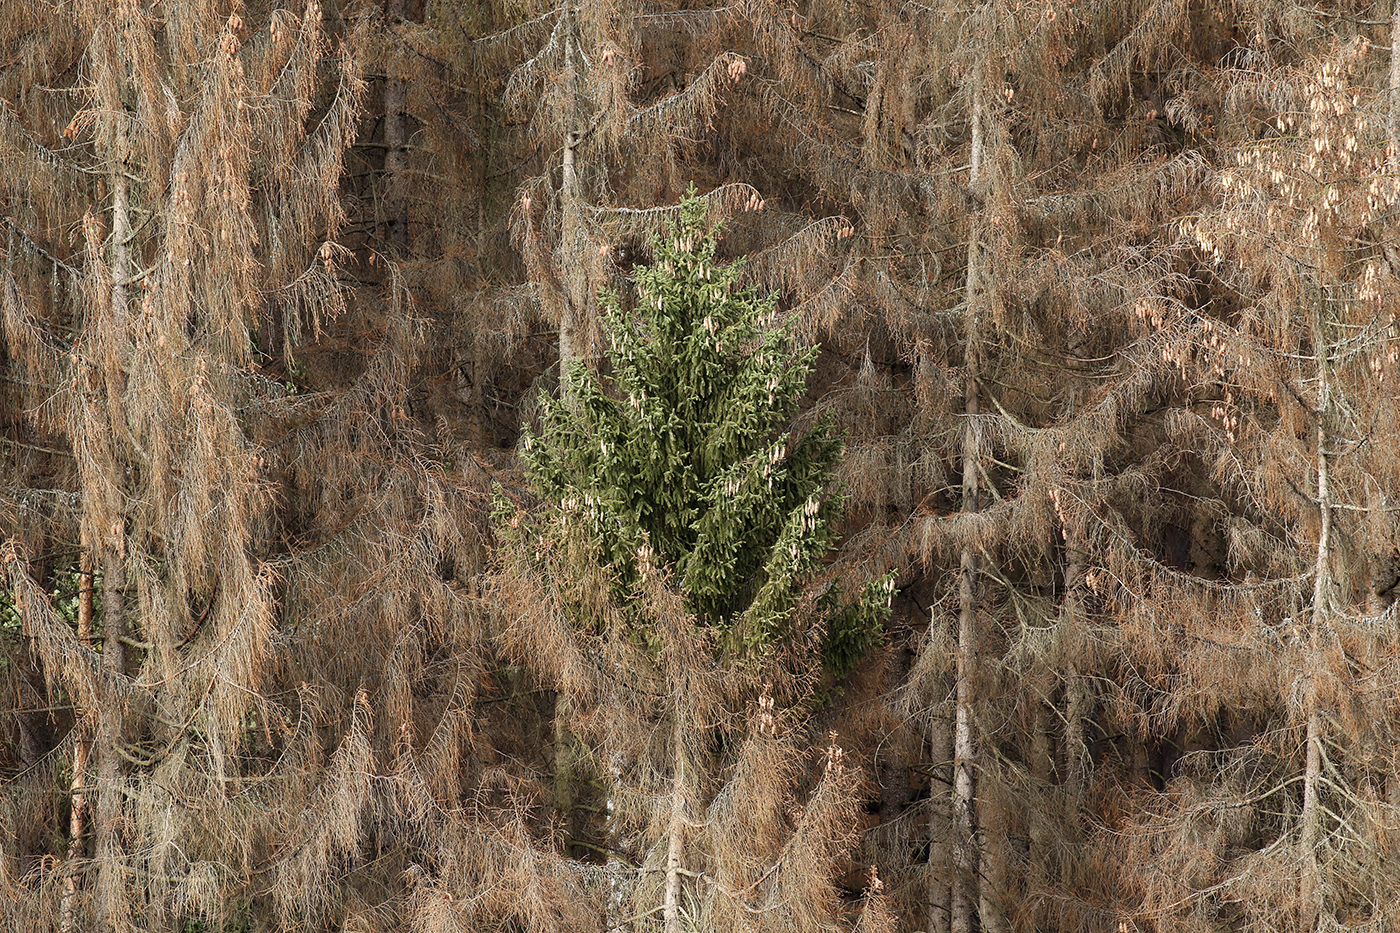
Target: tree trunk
<point>993,857</point>
<point>111,879</point>
<point>396,143</point>
<point>568,352</point>
<point>1077,761</point>
<point>964,898</point>
<point>566,775</point>
<point>1382,571</point>
<point>571,232</point>
<point>1392,799</point>
<point>941,838</point>
<point>675,850</point>
<point>1392,124</point>
<point>1321,604</point>
<point>965,854</point>
<point>77,816</point>
<point>1311,775</point>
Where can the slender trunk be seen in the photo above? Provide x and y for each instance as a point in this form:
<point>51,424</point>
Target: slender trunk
<point>1393,118</point>
<point>119,246</point>
<point>1392,799</point>
<point>110,725</point>
<point>563,771</point>
<point>396,143</point>
<point>965,854</point>
<point>994,857</point>
<point>575,273</point>
<point>941,838</point>
<point>77,817</point>
<point>1042,807</point>
<point>1311,775</point>
<point>1381,559</point>
<point>77,826</point>
<point>573,299</point>
<point>1076,687</point>
<point>675,851</point>
<point>566,776</point>
<point>1382,571</point>
<point>964,899</point>
<point>110,877</point>
<point>1322,589</point>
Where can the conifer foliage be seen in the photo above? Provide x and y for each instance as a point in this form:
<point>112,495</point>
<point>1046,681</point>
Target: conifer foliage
<point>686,520</point>
<point>682,454</point>
<point>1105,293</point>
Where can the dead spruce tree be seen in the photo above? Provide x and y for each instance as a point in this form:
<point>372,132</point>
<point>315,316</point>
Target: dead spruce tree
<point>572,73</point>
<point>177,147</point>
<point>589,144</point>
<point>685,523</point>
<point>243,767</point>
<point>1176,684</point>
<point>983,298</point>
<point>1291,829</point>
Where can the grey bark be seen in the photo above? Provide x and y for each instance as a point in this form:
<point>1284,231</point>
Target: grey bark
<point>941,837</point>
<point>1393,118</point>
<point>396,144</point>
<point>965,853</point>
<point>1077,697</point>
<point>111,879</point>
<point>78,807</point>
<point>1321,600</point>
<point>572,246</point>
<point>675,849</point>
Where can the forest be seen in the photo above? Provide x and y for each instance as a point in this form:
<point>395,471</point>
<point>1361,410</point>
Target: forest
<point>699,466</point>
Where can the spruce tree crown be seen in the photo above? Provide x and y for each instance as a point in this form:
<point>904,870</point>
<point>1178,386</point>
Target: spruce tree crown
<point>682,451</point>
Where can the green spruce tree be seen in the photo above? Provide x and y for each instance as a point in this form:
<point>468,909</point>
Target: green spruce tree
<point>674,594</point>
<point>682,450</point>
